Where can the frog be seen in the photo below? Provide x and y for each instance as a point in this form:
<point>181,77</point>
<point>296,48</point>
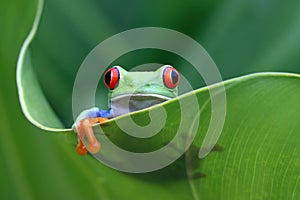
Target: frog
<point>128,91</point>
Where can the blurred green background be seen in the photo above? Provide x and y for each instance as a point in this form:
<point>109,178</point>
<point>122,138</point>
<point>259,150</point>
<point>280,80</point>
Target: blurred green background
<point>241,36</point>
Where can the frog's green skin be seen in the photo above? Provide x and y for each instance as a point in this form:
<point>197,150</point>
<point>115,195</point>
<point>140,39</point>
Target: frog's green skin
<point>134,91</point>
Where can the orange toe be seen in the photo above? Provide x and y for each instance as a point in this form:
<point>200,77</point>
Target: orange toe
<point>81,149</point>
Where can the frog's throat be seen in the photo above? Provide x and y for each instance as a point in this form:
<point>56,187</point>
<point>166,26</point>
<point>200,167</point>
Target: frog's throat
<point>140,96</point>
<point>125,103</point>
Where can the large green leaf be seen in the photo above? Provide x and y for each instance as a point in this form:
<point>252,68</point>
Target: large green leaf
<point>260,159</point>
<point>260,141</point>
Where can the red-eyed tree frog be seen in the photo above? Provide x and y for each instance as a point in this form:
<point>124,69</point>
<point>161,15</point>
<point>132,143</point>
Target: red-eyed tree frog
<point>128,92</point>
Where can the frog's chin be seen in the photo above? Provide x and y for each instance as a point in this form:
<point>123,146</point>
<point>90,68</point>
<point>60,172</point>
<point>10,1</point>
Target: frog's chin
<point>123,104</point>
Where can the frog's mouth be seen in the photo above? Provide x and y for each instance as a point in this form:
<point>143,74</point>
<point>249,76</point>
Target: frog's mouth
<point>123,104</point>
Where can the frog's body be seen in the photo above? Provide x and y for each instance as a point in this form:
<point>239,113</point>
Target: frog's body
<point>128,92</point>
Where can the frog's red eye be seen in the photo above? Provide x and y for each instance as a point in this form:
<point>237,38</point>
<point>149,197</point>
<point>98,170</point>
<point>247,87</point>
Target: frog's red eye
<point>171,77</point>
<point>111,78</point>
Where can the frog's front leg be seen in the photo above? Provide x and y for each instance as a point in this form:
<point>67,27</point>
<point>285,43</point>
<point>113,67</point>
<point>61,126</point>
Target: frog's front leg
<point>84,128</point>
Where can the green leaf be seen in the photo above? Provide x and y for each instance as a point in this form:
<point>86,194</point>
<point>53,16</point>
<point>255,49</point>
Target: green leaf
<point>34,104</point>
<point>260,140</point>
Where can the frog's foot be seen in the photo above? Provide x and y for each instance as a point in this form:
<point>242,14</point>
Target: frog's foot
<point>81,149</point>
<point>84,128</point>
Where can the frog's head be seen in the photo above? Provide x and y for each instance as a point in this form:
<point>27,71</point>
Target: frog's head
<point>140,89</point>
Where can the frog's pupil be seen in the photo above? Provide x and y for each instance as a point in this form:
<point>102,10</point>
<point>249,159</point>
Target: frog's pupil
<point>108,78</point>
<point>174,76</point>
